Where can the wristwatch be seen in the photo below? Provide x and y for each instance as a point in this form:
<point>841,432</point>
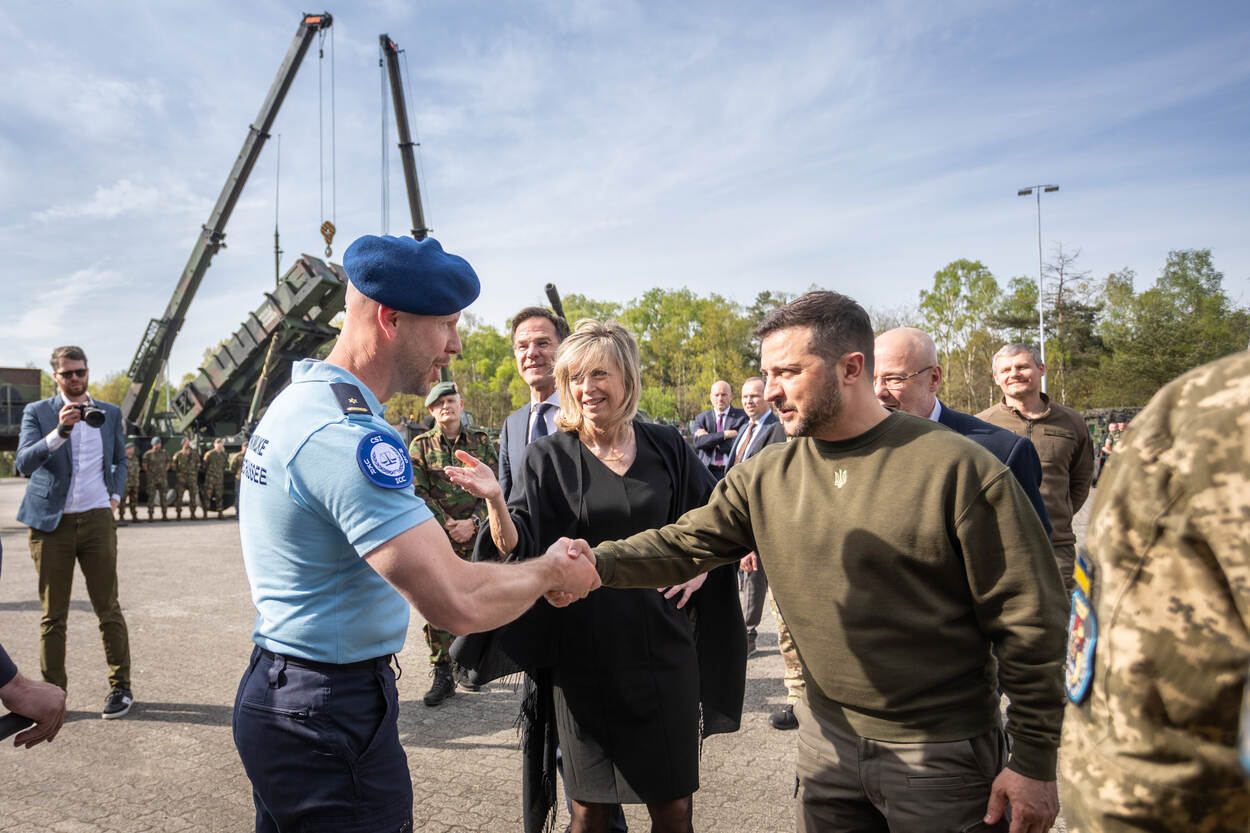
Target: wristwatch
<point>477,523</point>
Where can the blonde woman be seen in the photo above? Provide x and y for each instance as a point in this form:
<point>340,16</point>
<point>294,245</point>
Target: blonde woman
<point>624,679</point>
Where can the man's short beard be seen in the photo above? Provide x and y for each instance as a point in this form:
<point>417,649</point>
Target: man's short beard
<point>823,412</point>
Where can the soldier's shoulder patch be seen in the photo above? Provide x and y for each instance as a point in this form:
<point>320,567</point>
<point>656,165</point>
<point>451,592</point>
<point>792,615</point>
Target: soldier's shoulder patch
<point>1078,669</point>
<point>384,461</point>
<point>351,400</point>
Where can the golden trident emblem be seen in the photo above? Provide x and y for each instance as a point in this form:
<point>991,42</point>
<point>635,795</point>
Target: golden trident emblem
<point>839,478</point>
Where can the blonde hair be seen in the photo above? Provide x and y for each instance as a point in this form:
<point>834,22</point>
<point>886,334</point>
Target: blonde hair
<point>596,344</point>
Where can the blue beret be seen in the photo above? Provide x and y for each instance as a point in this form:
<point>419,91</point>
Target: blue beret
<point>409,275</point>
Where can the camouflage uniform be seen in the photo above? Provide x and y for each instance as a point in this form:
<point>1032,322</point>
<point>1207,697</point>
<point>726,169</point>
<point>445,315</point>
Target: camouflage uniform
<point>187,467</point>
<point>236,467</point>
<point>156,463</point>
<point>214,476</point>
<point>130,495</point>
<point>430,452</point>
<point>1153,744</point>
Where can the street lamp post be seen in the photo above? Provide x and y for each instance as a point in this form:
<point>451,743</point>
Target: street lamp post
<point>1041,315</point>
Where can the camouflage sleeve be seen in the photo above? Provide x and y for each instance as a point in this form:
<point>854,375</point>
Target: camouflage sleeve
<point>1151,743</point>
<point>421,481</point>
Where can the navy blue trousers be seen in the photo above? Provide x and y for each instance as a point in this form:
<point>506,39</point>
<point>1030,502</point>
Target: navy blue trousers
<point>320,744</point>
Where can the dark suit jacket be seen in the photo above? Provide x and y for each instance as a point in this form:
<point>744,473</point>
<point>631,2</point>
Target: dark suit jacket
<point>713,441</point>
<point>1016,453</point>
<point>512,442</point>
<point>49,471</point>
<point>764,435</point>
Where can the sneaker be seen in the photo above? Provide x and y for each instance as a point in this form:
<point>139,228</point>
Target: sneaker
<point>442,688</point>
<point>784,719</point>
<point>118,704</point>
<point>462,679</point>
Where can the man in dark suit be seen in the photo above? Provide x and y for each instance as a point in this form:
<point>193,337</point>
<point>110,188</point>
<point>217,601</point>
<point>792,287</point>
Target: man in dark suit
<point>759,432</point>
<point>764,429</point>
<point>77,473</point>
<point>536,335</point>
<point>907,377</point>
<point>716,428</point>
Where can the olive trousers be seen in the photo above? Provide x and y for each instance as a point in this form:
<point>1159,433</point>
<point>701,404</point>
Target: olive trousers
<point>90,540</point>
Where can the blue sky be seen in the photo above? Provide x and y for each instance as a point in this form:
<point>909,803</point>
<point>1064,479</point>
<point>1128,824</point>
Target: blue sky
<point>612,147</point>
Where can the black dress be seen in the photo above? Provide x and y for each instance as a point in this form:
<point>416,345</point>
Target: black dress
<point>627,681</point>
<point>638,677</point>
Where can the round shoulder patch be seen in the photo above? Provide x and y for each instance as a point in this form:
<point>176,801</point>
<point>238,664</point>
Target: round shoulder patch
<point>384,461</point>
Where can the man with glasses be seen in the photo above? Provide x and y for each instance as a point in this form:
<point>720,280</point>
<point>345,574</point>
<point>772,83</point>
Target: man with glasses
<point>903,388</point>
<point>76,461</point>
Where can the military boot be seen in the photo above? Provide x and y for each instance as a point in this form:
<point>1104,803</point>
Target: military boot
<point>443,687</point>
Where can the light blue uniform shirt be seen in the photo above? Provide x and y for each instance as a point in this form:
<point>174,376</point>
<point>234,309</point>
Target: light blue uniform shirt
<point>309,512</point>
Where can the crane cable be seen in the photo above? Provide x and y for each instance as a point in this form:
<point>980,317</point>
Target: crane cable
<point>327,226</point>
<point>386,190</point>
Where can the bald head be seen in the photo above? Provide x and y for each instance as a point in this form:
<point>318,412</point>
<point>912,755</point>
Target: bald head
<point>907,373</point>
<point>721,396</point>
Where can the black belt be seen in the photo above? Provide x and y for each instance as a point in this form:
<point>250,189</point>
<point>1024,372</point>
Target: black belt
<point>328,667</point>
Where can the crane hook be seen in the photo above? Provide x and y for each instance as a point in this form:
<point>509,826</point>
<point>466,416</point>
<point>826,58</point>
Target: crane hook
<point>327,231</point>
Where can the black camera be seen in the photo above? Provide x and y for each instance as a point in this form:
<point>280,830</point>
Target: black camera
<point>91,414</point>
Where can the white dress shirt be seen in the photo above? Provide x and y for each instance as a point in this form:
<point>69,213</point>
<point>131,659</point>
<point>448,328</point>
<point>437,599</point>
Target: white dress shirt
<point>87,489</point>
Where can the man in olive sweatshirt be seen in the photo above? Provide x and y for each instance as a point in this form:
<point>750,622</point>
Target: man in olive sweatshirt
<point>916,579</point>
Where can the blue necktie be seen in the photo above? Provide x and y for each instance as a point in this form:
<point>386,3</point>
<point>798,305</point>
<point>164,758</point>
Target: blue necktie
<point>540,421</point>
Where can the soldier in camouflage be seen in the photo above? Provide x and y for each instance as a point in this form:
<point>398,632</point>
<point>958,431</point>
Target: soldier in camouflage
<point>459,512</point>
<point>130,496</point>
<point>187,468</point>
<point>214,476</point>
<point>155,466</point>
<point>1159,642</point>
<point>236,469</point>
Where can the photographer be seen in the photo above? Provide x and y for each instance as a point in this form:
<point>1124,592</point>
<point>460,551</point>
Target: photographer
<point>73,451</point>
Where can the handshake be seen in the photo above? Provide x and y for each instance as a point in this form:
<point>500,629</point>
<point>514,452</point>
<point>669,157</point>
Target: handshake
<point>573,571</point>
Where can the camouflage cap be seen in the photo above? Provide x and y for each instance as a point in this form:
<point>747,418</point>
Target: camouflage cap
<point>439,391</point>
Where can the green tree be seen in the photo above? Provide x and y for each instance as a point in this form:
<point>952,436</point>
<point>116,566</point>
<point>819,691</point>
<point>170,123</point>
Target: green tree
<point>112,388</point>
<point>958,313</point>
<point>1184,320</point>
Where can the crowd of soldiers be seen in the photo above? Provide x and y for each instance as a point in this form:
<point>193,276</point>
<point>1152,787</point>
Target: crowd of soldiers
<point>199,480</point>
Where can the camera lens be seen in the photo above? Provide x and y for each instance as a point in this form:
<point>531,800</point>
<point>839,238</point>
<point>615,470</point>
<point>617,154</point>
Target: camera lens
<point>92,415</point>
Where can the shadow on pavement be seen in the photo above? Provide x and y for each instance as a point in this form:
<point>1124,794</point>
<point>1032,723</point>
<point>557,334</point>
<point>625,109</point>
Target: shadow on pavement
<point>195,713</point>
<point>33,605</point>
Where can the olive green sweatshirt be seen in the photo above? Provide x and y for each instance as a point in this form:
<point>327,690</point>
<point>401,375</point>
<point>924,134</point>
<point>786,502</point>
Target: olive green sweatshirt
<point>898,559</point>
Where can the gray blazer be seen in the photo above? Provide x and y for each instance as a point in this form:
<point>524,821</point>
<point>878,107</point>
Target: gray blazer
<point>513,438</point>
<point>49,472</point>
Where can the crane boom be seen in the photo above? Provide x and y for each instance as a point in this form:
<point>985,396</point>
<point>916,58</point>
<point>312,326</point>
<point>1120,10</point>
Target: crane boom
<point>159,337</point>
<point>391,51</point>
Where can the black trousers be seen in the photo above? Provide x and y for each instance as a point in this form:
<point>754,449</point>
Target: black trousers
<point>320,744</point>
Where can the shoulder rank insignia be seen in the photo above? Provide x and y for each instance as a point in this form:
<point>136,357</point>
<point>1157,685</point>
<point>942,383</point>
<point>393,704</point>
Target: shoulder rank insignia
<point>384,461</point>
<point>1078,668</point>
<point>351,400</point>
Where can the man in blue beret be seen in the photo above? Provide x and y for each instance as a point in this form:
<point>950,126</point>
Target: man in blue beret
<point>337,546</point>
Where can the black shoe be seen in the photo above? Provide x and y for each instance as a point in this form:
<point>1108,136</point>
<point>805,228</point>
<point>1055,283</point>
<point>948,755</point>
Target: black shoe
<point>118,704</point>
<point>444,686</point>
<point>783,719</point>
<point>750,644</point>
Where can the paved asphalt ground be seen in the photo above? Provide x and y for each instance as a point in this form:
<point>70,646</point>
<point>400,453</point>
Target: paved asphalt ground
<point>170,765</point>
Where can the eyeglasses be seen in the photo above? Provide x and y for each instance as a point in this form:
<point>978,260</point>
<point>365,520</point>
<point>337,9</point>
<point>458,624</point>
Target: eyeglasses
<point>896,382</point>
<point>80,372</point>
